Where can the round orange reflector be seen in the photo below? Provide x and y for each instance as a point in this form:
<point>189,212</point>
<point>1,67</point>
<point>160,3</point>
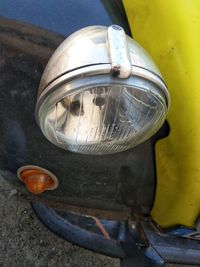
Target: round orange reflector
<point>36,179</point>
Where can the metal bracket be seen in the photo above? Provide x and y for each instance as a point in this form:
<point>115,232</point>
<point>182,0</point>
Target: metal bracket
<point>118,52</point>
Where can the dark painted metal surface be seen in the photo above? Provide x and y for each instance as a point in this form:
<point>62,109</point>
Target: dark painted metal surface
<point>121,182</point>
<point>65,17</point>
<point>173,249</point>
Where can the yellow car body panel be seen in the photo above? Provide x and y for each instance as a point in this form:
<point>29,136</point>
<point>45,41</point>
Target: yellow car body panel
<point>170,31</point>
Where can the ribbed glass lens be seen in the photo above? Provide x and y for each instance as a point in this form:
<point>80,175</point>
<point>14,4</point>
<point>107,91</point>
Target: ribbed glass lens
<point>105,119</point>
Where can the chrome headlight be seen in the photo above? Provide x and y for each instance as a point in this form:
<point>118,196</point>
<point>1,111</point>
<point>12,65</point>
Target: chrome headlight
<point>100,93</point>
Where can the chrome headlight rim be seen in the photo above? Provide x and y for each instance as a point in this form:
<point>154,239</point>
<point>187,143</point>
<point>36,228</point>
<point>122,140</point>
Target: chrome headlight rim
<point>99,70</point>
<point>93,76</point>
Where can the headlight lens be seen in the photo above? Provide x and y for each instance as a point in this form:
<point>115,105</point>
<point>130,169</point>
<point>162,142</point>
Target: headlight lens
<point>100,114</point>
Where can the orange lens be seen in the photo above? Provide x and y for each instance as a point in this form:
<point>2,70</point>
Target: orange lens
<point>36,181</point>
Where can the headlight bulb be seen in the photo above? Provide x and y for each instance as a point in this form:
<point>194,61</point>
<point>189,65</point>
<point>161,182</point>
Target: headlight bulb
<point>100,93</point>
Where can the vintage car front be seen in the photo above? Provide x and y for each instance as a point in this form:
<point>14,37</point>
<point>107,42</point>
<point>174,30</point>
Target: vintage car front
<point>102,136</point>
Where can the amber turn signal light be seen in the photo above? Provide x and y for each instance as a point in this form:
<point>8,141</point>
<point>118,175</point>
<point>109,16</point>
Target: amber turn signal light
<point>37,179</point>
